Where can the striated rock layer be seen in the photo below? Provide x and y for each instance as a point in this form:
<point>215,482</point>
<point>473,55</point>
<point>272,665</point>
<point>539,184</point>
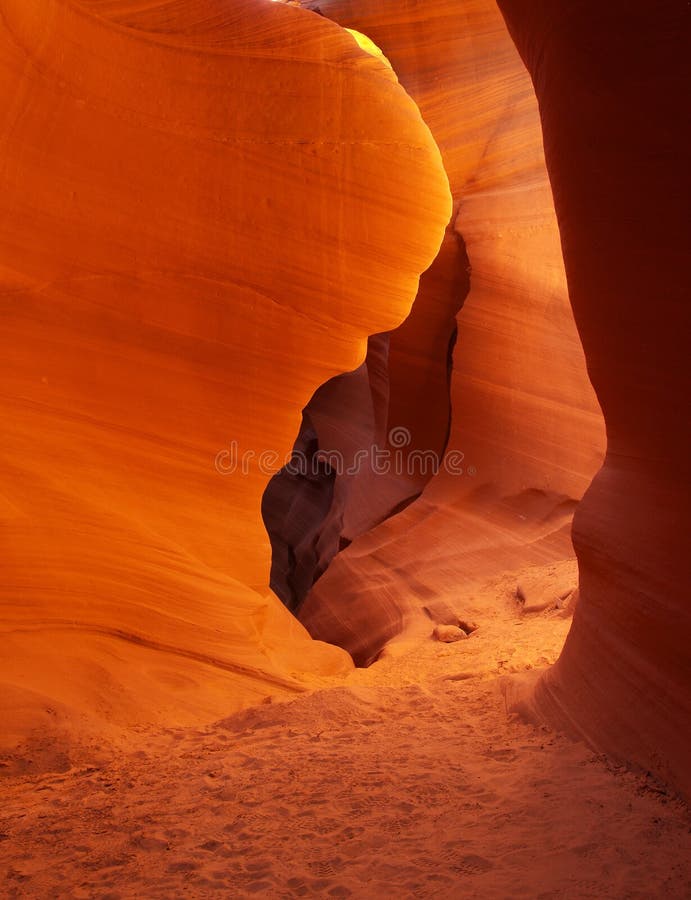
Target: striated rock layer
<point>613,85</point>
<point>197,202</point>
<point>396,402</point>
<point>526,434</point>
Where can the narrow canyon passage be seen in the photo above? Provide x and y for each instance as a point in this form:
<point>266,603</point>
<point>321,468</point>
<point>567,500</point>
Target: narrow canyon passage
<point>526,433</point>
<point>382,429</point>
<point>455,228</point>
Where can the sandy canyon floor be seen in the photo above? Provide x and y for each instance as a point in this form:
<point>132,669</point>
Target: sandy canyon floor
<point>407,780</point>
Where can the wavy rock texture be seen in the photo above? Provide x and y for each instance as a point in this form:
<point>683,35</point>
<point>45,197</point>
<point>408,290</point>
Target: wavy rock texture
<point>393,409</point>
<point>613,86</point>
<point>400,392</point>
<point>197,203</point>
<point>526,434</point>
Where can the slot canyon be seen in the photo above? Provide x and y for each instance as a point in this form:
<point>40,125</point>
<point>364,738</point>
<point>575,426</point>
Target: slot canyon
<point>345,463</point>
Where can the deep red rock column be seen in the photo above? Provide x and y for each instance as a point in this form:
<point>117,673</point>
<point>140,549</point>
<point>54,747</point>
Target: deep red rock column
<point>612,83</point>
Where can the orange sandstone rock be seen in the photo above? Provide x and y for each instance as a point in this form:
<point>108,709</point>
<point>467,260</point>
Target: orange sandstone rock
<point>612,82</point>
<point>526,432</point>
<point>198,202</point>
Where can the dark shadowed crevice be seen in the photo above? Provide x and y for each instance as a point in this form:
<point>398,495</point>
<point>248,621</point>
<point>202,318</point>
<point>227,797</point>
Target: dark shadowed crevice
<point>305,505</point>
<point>294,507</point>
<point>346,476</point>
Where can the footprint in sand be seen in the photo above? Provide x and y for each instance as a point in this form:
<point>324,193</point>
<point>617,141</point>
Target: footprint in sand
<point>350,832</point>
<point>298,887</point>
<point>183,866</point>
<point>150,842</point>
<point>211,846</point>
<point>258,887</point>
<point>472,865</point>
<point>324,868</point>
<point>502,755</point>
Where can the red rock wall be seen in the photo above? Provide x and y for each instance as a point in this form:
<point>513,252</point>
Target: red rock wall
<point>197,202</point>
<point>525,421</point>
<point>402,389</point>
<point>613,81</point>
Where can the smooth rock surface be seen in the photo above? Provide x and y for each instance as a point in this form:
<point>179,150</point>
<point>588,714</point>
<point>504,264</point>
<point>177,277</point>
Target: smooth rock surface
<point>613,86</point>
<point>449,634</point>
<point>526,432</point>
<point>197,202</point>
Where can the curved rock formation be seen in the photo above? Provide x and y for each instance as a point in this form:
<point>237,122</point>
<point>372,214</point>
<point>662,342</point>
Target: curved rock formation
<point>613,86</point>
<point>384,428</point>
<point>526,434</point>
<point>402,390</point>
<point>310,508</point>
<point>198,202</point>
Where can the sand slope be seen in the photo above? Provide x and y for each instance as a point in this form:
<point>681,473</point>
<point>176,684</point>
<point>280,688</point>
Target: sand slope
<point>409,780</point>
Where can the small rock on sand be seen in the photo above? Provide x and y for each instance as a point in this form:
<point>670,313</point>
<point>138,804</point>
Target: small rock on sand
<point>449,633</point>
